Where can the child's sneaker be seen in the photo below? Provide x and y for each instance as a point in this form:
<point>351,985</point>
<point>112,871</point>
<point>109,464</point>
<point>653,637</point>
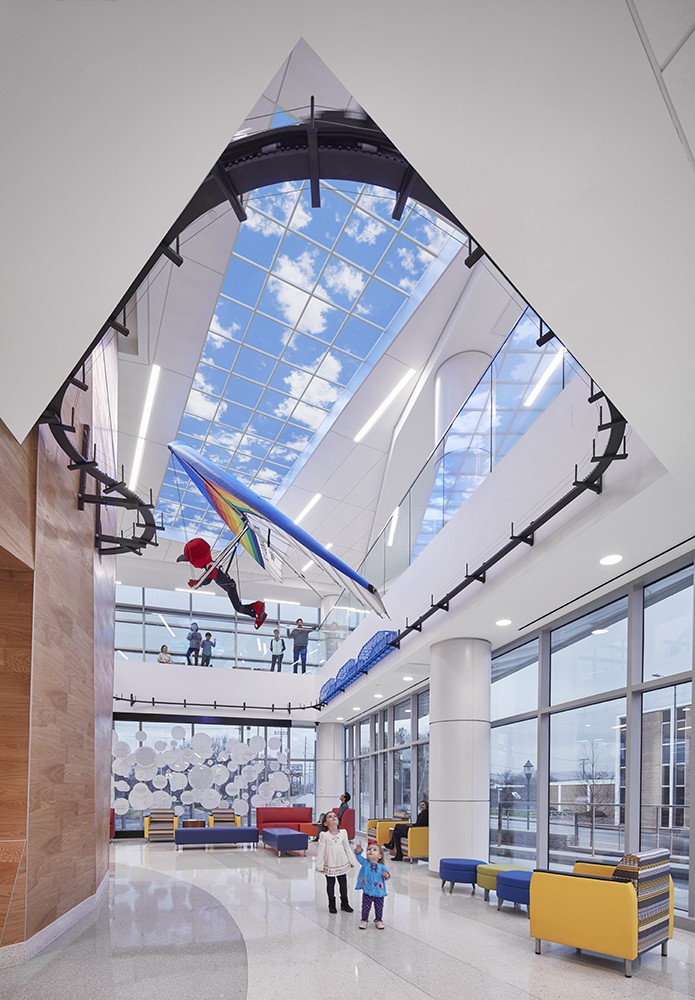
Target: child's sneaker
<point>379,925</point>
<point>259,608</point>
<point>363,925</point>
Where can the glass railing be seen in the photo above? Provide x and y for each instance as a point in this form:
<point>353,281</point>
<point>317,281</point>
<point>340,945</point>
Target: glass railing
<point>520,383</point>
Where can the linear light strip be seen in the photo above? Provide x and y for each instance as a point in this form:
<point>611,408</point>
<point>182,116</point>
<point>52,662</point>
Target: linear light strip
<point>553,366</point>
<point>380,410</point>
<point>310,506</point>
<point>144,424</point>
<point>311,561</point>
<point>392,527</point>
<point>166,625</point>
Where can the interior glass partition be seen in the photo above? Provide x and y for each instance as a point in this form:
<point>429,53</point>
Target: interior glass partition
<point>519,384</point>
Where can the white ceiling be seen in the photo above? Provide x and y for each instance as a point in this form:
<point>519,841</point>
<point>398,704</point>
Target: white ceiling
<point>562,134</point>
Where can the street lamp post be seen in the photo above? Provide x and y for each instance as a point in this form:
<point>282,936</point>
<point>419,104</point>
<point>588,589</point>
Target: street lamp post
<point>528,771</point>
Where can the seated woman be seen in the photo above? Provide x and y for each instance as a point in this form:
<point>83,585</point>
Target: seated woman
<point>401,830</point>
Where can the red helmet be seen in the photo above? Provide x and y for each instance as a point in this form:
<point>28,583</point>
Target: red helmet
<point>197,553</point>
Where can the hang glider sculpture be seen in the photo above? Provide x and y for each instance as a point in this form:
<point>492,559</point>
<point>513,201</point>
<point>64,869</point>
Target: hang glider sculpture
<point>273,540</point>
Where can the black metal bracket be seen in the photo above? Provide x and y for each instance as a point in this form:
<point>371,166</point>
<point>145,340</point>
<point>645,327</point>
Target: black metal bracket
<point>527,536</point>
<point>477,574</point>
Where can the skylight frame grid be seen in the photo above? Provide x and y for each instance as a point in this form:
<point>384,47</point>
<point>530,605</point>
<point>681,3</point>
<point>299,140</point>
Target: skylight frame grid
<point>360,199</point>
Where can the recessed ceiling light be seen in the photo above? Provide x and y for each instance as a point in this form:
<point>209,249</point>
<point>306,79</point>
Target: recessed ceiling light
<point>356,708</point>
<point>502,622</point>
<point>599,631</point>
<point>407,678</point>
<point>378,696</point>
<point>408,711</point>
<point>339,718</point>
<point>611,560</point>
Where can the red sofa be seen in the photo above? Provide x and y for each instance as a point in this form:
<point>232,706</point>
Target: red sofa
<point>268,817</point>
<point>347,822</point>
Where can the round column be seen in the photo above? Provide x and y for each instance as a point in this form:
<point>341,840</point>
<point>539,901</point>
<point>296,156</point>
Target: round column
<point>459,750</point>
<point>330,765</point>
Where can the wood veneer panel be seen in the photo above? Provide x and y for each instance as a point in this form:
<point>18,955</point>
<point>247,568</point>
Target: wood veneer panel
<point>17,495</point>
<point>61,834</point>
<point>16,589</point>
<point>13,887</point>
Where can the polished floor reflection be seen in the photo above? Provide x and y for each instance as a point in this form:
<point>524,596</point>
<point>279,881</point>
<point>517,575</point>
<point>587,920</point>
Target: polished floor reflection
<point>246,925</point>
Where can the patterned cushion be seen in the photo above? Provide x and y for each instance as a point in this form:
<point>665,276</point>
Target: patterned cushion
<point>649,872</point>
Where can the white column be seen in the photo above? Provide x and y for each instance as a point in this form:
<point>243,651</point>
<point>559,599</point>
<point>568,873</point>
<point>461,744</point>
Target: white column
<point>459,750</point>
<point>330,765</point>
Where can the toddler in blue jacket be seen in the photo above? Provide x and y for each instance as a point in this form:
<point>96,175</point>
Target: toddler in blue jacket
<point>372,883</point>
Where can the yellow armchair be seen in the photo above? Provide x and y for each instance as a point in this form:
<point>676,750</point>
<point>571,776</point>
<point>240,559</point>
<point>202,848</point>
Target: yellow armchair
<point>160,824</point>
<point>590,911</point>
<point>417,843</point>
<point>383,828</point>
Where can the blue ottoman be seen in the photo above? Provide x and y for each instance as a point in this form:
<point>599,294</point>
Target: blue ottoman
<point>459,870</point>
<point>283,839</point>
<point>514,887</point>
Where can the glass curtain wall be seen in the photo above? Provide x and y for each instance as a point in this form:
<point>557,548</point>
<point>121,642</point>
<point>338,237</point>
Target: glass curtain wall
<point>387,754</point>
<point>562,706</point>
<point>193,766</point>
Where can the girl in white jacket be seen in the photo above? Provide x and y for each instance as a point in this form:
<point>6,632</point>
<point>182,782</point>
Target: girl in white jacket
<point>335,859</point>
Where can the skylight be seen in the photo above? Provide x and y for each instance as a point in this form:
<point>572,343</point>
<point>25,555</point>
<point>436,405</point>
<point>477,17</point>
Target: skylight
<point>310,300</point>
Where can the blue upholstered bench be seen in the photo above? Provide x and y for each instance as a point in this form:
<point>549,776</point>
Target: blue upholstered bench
<point>459,870</point>
<point>283,839</point>
<point>204,835</point>
<point>514,887</point>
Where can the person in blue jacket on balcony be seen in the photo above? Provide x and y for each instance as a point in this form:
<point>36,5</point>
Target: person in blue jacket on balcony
<point>372,883</point>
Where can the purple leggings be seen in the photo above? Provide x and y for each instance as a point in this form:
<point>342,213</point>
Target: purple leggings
<point>367,905</point>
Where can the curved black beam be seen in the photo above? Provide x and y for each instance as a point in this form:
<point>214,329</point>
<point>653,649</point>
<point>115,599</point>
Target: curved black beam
<point>615,450</point>
<point>349,148</point>
<point>116,545</point>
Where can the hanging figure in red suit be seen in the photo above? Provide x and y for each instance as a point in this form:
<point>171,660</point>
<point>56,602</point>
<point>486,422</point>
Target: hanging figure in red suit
<point>197,553</point>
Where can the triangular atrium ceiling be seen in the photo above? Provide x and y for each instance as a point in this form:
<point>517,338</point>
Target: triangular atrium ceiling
<point>311,299</point>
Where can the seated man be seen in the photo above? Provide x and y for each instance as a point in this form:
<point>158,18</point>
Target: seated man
<point>401,830</point>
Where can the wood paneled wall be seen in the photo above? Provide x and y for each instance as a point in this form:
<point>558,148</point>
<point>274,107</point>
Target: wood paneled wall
<point>16,602</point>
<point>57,672</point>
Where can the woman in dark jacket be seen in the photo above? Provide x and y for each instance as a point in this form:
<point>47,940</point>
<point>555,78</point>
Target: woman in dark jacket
<point>401,830</point>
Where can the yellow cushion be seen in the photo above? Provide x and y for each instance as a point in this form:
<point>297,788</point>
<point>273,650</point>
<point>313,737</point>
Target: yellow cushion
<point>487,874</point>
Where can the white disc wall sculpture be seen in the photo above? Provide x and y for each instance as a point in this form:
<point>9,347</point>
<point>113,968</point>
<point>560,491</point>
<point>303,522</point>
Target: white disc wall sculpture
<point>202,771</point>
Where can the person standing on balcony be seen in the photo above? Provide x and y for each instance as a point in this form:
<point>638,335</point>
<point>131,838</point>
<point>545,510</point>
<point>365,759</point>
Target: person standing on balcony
<point>300,638</point>
<point>194,642</point>
<point>277,651</point>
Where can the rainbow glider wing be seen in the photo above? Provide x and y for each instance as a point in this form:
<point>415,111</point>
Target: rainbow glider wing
<point>268,530</point>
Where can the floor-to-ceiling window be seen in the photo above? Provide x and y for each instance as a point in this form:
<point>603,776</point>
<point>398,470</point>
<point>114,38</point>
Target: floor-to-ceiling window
<point>599,707</point>
<point>388,755</point>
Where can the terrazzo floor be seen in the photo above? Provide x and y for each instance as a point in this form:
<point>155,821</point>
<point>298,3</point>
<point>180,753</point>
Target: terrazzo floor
<point>243,924</point>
